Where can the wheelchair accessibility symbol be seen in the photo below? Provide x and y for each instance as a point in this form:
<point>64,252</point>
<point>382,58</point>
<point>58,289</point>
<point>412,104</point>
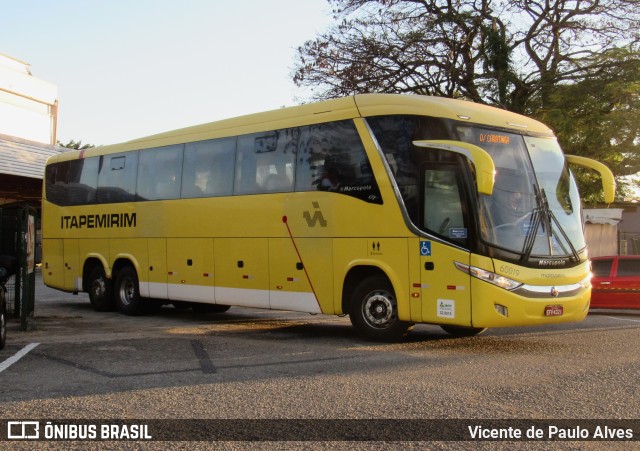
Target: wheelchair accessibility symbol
<point>425,248</point>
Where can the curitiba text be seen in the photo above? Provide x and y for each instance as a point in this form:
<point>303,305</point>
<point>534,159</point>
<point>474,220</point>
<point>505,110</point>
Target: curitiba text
<point>102,221</point>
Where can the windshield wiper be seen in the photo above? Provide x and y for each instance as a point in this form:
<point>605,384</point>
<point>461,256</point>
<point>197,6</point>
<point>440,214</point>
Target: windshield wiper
<point>544,213</point>
<point>529,241</point>
<point>537,216</point>
<point>553,218</point>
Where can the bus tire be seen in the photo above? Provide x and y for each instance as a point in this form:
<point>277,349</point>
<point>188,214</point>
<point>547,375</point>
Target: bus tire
<point>3,320</point>
<point>127,292</point>
<point>463,331</point>
<point>374,310</point>
<point>100,290</point>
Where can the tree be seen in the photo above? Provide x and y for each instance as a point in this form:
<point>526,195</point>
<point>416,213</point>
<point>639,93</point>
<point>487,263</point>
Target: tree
<point>534,57</point>
<point>598,118</point>
<point>465,48</point>
<point>75,145</point>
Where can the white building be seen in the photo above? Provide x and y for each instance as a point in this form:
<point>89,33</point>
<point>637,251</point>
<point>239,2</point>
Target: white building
<point>28,122</point>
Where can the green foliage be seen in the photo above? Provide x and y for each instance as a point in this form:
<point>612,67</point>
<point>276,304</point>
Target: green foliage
<point>75,145</point>
<point>572,64</point>
<point>598,118</point>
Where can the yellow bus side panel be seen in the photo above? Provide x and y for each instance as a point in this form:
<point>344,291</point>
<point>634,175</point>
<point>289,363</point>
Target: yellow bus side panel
<point>242,271</point>
<point>53,263</point>
<point>289,288</point>
<point>190,269</point>
<point>157,275</point>
<point>72,266</point>
<point>317,255</point>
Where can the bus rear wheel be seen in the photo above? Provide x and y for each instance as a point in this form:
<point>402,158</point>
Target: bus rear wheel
<point>374,310</point>
<point>127,292</point>
<point>100,290</point>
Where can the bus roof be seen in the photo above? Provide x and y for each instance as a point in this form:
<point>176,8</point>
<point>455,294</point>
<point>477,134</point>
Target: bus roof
<point>359,105</point>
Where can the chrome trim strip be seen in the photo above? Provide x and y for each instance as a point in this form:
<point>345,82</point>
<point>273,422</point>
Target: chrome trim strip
<point>546,291</point>
<point>535,291</point>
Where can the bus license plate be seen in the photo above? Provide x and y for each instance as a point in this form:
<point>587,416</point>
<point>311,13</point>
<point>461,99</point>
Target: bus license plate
<point>553,310</point>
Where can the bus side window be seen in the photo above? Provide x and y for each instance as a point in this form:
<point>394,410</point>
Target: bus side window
<point>56,178</point>
<point>117,178</point>
<point>159,173</point>
<point>208,168</point>
<point>331,157</point>
<point>265,162</point>
<point>83,181</point>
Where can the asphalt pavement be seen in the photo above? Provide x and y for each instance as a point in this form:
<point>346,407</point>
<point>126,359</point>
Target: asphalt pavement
<point>281,367</point>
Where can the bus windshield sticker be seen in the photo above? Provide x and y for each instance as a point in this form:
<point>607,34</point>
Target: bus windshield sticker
<point>425,248</point>
<point>458,232</point>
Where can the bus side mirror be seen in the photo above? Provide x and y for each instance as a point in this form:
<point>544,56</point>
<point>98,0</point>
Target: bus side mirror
<point>485,169</point>
<point>608,182</point>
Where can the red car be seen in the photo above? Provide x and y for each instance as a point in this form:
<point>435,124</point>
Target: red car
<point>616,282</point>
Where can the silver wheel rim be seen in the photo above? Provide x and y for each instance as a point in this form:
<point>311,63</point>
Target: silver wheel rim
<point>127,291</point>
<point>3,326</point>
<point>379,309</point>
<point>98,288</point>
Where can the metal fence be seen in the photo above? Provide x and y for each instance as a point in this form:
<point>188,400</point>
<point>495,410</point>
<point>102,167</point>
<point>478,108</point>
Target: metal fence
<point>17,239</point>
<point>628,243</point>
<point>10,297</point>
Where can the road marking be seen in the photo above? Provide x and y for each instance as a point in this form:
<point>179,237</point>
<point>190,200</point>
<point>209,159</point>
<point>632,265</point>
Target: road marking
<point>624,319</point>
<point>20,354</point>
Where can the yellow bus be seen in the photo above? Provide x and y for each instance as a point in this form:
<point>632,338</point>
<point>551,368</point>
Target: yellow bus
<point>393,209</point>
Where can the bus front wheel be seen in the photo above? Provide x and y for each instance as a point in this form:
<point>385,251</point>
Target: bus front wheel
<point>127,292</point>
<point>374,310</point>
<point>100,290</point>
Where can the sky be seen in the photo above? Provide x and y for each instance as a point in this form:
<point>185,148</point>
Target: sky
<point>131,68</point>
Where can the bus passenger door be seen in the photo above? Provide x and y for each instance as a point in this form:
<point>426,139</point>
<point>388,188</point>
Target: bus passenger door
<point>445,290</point>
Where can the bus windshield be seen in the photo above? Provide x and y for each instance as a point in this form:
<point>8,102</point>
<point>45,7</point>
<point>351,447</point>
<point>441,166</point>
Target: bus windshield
<point>534,209</point>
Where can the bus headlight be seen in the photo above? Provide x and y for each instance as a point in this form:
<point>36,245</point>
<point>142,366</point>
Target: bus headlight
<point>488,276</point>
